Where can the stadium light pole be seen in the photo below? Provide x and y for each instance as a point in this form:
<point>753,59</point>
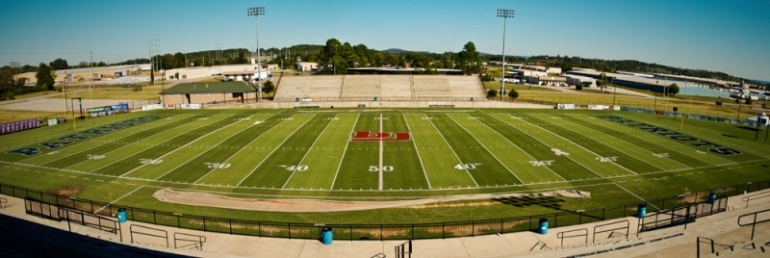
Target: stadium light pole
<point>256,12</point>
<point>505,14</point>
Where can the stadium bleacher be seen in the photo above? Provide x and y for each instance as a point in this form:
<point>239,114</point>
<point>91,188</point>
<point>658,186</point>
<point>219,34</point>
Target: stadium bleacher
<point>384,87</point>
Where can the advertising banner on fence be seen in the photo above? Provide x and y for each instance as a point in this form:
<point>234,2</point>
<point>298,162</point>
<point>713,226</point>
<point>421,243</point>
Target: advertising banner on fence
<point>22,125</point>
<point>565,106</point>
<point>191,106</point>
<point>170,106</point>
<point>151,107</point>
<point>598,107</point>
<point>122,107</point>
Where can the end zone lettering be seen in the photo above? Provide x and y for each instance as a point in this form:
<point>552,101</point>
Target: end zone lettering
<point>714,148</point>
<point>83,135</point>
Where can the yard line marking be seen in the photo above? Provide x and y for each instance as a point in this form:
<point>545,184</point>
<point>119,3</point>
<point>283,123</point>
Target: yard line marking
<point>344,151</point>
<point>381,153</point>
<point>578,145</point>
<point>54,137</point>
<point>522,150</point>
<point>152,145</point>
<point>743,148</point>
<point>116,200</point>
<point>244,147</point>
<point>621,151</point>
<point>455,153</point>
<point>308,152</point>
<point>631,142</point>
<point>178,148</point>
<point>105,142</point>
<point>637,196</point>
<point>485,147</point>
<point>208,147</point>
<point>271,153</point>
<point>414,142</point>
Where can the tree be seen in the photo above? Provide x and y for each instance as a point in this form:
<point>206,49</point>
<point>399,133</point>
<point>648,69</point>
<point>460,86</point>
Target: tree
<point>603,81</point>
<point>513,94</point>
<point>45,77</point>
<point>268,87</point>
<point>59,64</point>
<point>470,59</point>
<point>673,89</point>
<point>491,93</point>
<point>330,59</point>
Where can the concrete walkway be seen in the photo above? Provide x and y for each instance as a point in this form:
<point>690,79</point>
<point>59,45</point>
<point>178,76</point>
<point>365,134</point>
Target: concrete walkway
<point>672,242</point>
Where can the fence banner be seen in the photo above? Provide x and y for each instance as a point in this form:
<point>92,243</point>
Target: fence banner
<point>191,106</point>
<point>170,106</point>
<point>600,107</point>
<point>17,126</point>
<point>151,107</point>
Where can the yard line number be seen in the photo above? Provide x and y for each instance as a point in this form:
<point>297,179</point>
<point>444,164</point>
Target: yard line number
<point>216,165</point>
<point>295,168</point>
<point>150,161</point>
<point>467,166</point>
<point>375,168</point>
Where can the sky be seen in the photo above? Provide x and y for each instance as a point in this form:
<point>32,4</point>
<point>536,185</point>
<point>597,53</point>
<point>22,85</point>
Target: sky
<point>730,36</point>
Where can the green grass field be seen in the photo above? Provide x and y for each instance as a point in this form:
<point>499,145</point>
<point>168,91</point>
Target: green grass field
<point>619,157</point>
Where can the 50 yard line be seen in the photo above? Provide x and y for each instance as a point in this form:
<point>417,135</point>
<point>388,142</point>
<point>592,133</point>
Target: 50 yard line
<point>381,154</point>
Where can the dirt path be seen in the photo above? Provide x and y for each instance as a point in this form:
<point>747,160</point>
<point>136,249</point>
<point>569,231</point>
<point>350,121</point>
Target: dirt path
<point>311,205</point>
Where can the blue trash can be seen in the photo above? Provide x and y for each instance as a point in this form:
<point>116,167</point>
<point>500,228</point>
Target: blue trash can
<point>296,100</point>
<point>471,99</point>
<point>375,98</point>
<point>712,198</point>
<point>542,226</point>
<point>641,210</point>
<point>326,235</point>
<point>122,215</point>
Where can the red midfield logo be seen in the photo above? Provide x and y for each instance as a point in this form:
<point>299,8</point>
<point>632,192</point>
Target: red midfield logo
<point>368,136</point>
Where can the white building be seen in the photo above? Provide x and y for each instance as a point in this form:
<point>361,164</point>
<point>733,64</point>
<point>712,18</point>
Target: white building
<point>306,66</point>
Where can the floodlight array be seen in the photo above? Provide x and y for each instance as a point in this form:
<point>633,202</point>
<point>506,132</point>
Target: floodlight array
<point>256,11</point>
<point>505,13</point>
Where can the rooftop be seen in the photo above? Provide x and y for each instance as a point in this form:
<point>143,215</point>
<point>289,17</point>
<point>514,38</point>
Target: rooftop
<point>210,87</point>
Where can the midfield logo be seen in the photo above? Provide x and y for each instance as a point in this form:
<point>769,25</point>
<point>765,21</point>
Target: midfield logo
<point>368,136</point>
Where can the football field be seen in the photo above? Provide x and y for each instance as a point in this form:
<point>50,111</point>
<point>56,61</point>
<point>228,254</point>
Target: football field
<point>382,153</point>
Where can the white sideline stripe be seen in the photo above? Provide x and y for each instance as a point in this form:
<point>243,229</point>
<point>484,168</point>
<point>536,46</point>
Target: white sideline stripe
<point>518,147</point>
<point>676,172</point>
<point>276,148</point>
<point>306,153</point>
<point>214,149</point>
<point>156,144</point>
<point>345,151</point>
<point>381,154</point>
<point>183,146</point>
<point>637,196</point>
<point>244,146</point>
<point>119,198</point>
<point>414,143</point>
<point>580,146</point>
<point>485,147</point>
<point>453,151</point>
